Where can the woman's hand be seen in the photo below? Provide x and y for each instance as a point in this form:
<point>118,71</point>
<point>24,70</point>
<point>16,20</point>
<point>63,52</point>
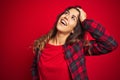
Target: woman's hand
<point>83,14</point>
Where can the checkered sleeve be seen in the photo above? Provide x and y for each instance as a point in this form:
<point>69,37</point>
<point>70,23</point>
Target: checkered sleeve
<point>34,68</point>
<point>103,43</point>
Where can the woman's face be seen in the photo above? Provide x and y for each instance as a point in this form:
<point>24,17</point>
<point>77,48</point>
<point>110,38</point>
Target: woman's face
<point>68,21</point>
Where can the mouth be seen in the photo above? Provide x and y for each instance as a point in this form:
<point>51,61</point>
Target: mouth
<point>63,22</point>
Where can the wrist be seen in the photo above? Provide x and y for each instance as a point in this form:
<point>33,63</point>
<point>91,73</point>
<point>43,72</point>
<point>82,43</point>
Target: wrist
<point>82,20</point>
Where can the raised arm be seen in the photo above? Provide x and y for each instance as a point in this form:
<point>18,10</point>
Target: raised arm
<point>103,42</point>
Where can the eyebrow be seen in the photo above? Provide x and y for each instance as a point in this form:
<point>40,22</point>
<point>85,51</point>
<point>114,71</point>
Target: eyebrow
<point>67,11</point>
<point>74,16</point>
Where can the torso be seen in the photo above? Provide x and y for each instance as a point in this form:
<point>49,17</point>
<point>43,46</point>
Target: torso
<point>52,64</point>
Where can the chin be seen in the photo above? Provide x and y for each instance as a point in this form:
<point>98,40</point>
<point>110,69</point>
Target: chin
<point>60,28</point>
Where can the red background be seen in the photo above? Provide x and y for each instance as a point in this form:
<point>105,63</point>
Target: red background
<point>22,21</point>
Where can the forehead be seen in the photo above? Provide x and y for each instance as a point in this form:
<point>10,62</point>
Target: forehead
<point>73,11</point>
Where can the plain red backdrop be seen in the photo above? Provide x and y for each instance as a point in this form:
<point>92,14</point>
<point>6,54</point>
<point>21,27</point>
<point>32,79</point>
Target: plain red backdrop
<point>23,21</point>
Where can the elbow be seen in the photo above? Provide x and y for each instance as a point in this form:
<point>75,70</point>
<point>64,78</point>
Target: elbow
<point>112,46</point>
<point>115,45</point>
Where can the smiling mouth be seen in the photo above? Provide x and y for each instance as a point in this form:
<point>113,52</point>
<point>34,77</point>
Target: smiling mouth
<point>63,22</point>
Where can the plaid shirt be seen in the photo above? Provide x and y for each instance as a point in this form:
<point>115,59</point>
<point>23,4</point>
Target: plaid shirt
<point>75,54</point>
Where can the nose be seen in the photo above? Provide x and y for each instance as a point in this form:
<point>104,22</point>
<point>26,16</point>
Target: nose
<point>66,17</point>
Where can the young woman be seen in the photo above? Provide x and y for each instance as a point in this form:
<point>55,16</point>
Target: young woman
<point>60,54</point>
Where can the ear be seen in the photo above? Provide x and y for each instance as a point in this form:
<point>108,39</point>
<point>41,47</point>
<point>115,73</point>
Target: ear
<point>72,31</point>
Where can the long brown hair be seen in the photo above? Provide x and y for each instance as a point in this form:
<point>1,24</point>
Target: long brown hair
<point>78,34</point>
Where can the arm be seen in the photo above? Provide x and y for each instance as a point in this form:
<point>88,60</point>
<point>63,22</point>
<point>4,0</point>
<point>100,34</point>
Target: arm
<point>103,42</point>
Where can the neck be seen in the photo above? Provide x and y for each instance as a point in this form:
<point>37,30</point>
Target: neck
<point>60,38</point>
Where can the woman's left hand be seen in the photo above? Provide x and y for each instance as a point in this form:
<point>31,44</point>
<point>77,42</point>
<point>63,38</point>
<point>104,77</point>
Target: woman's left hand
<point>83,14</point>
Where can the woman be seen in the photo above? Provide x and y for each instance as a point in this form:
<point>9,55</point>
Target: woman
<point>60,54</point>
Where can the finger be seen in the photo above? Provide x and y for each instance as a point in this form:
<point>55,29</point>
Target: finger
<point>79,8</point>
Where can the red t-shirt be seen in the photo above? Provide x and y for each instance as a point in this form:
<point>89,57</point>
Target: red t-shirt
<point>52,64</point>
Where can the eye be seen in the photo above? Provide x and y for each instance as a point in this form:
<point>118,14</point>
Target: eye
<point>73,18</point>
<point>66,12</point>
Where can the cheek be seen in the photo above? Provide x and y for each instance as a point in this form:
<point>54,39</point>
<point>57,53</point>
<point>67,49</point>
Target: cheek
<point>72,24</point>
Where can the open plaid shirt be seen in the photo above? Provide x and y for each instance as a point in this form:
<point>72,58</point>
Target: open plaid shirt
<point>75,54</point>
